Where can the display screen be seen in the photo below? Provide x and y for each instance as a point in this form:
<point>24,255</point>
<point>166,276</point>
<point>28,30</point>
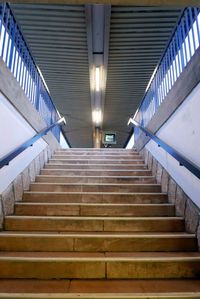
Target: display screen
<point>109,138</point>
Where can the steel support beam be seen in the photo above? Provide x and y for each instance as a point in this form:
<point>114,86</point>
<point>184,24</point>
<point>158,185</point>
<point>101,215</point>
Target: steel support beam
<point>98,30</point>
<point>118,2</point>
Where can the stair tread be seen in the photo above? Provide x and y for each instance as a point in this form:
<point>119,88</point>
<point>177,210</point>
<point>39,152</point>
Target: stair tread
<point>96,176</point>
<point>95,170</point>
<point>97,204</point>
<point>101,287</point>
<point>100,193</point>
<point>100,234</point>
<point>94,184</point>
<point>124,218</point>
<point>105,257</point>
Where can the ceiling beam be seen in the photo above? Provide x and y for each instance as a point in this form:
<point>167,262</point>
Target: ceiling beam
<point>98,30</point>
<point>118,2</point>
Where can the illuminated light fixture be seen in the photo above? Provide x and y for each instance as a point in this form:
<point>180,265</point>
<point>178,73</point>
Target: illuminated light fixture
<point>97,117</point>
<point>97,78</point>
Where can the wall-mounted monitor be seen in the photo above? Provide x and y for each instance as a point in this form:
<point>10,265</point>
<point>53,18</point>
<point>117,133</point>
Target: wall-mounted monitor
<point>109,138</point>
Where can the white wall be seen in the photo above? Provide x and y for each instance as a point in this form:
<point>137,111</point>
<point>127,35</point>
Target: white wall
<point>14,130</point>
<point>63,142</point>
<point>182,132</point>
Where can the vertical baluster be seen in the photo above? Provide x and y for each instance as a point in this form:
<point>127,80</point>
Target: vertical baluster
<point>171,64</point>
<point>30,82</point>
<point>37,100</point>
<point>168,70</point>
<point>184,42</point>
<point>161,76</point>
<point>2,21</point>
<point>7,12</point>
<point>12,46</point>
<point>174,57</point>
<point>156,92</point>
<point>32,71</point>
<point>196,12</point>
<point>15,50</point>
<point>181,45</point>
<point>19,62</point>
<point>188,36</point>
<point>9,40</point>
<point>164,76</point>
<point>177,51</point>
<point>191,19</point>
<point>26,70</point>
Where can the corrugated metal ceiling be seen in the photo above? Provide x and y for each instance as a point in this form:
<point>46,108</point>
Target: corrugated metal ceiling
<point>57,38</point>
<point>138,37</point>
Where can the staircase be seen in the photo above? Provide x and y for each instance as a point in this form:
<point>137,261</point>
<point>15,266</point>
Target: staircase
<point>95,224</point>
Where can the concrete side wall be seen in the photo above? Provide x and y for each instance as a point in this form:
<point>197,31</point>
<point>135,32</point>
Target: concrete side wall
<point>183,87</point>
<point>13,92</point>
<point>19,121</point>
<point>14,130</point>
<point>182,132</point>
<point>183,203</point>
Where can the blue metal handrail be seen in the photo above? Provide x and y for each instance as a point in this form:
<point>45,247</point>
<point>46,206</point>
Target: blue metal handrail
<point>184,43</point>
<point>17,56</point>
<point>14,153</point>
<point>183,161</point>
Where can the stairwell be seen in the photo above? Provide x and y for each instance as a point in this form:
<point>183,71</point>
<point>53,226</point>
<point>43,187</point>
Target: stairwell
<point>95,224</point>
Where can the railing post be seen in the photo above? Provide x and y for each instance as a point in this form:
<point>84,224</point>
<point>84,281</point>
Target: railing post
<point>38,89</point>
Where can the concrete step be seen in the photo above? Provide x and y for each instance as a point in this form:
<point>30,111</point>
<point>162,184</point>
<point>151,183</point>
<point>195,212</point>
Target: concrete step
<point>96,179</point>
<point>113,266</point>
<point>96,161</point>
<point>97,166</point>
<point>76,187</point>
<point>94,165</point>
<point>94,242</point>
<point>99,289</point>
<point>92,172</point>
<point>169,295</point>
<point>96,156</point>
<point>95,197</point>
<point>77,209</point>
<point>91,224</point>
<point>103,149</point>
<point>97,153</point>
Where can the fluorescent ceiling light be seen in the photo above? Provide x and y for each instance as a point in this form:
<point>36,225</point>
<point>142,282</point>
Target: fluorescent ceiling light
<point>97,79</point>
<point>97,116</point>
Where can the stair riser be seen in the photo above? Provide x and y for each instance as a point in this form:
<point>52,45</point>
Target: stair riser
<point>94,172</point>
<point>57,165</point>
<point>96,244</point>
<point>98,157</point>
<point>186,295</point>
<point>98,180</point>
<point>69,269</point>
<point>97,152</point>
<point>96,198</point>
<point>105,153</point>
<point>91,225</point>
<point>76,210</point>
<point>133,166</point>
<point>91,162</point>
<point>94,188</point>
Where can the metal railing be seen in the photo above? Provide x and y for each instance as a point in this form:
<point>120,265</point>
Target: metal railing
<point>183,161</point>
<point>182,46</point>
<point>17,56</point>
<point>14,153</point>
